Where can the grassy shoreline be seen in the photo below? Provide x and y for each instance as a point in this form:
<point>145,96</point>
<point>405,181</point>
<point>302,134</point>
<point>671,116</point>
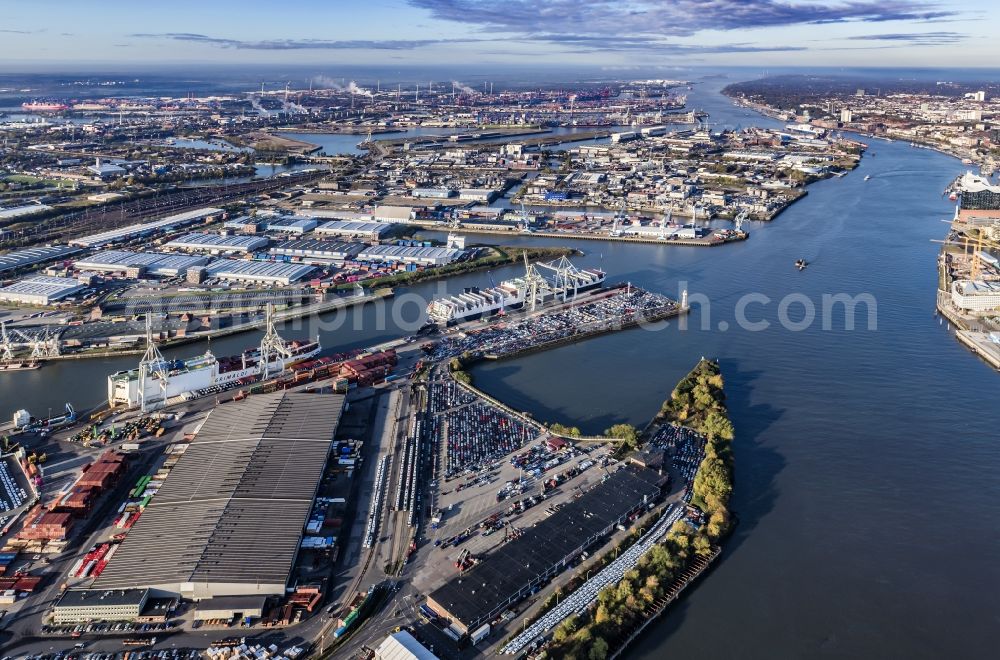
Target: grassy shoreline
<point>698,402</point>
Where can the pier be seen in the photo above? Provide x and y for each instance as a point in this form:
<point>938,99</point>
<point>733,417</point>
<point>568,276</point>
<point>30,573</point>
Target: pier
<point>698,566</point>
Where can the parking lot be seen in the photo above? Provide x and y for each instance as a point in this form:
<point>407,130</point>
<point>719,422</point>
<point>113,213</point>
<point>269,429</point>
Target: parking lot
<point>501,338</point>
<point>685,448</point>
<point>480,510</point>
<point>473,433</point>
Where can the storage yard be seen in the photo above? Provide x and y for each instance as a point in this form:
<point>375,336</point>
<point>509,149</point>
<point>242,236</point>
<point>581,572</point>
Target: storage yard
<point>248,520</point>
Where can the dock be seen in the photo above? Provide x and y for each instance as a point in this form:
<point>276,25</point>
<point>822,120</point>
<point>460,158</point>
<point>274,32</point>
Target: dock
<point>698,566</point>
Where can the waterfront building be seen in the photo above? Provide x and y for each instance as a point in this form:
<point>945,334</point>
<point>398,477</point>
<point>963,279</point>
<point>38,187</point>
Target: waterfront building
<point>976,296</point>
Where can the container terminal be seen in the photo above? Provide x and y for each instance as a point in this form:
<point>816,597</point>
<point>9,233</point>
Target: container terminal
<point>177,524</point>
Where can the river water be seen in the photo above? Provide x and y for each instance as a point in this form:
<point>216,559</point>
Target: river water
<point>865,459</point>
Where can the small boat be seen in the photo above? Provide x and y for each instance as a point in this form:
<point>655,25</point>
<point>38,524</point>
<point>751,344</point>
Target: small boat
<point>868,176</point>
<point>801,264</point>
<point>19,366</point>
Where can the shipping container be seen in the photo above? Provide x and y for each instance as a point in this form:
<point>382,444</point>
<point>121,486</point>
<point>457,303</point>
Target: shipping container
<point>480,633</point>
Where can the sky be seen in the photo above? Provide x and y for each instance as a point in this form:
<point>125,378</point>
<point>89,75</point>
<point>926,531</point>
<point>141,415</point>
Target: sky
<point>604,34</point>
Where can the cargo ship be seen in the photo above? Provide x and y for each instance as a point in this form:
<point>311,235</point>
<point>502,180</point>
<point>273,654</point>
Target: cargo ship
<point>474,303</point>
<point>542,283</point>
<point>157,380</point>
<point>41,106</point>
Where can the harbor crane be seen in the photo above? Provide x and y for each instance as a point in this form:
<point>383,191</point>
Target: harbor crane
<point>6,348</point>
<point>741,217</point>
<point>41,344</point>
<point>152,365</point>
<point>272,346</point>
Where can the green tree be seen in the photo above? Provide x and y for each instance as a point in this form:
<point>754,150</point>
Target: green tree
<point>598,649</point>
<point>625,432</point>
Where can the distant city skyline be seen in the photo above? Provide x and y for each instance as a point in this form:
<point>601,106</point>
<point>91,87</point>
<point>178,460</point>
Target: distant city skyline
<point>609,34</point>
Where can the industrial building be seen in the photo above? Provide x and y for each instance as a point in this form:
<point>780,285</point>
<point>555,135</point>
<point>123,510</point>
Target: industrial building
<point>311,249</point>
<point>200,241</point>
<point>264,272</point>
<point>434,193</point>
<point>85,605</point>
<point>21,211</point>
<point>134,231</point>
<point>517,568</point>
<point>242,223</point>
<point>230,607</point>
<point>402,645</point>
<point>394,214</point>
<point>428,256</point>
<point>40,290</point>
<point>229,518</point>
<point>977,296</point>
<point>352,229</point>
<point>146,263</point>
<point>484,195</point>
<point>292,225</point>
<point>36,255</point>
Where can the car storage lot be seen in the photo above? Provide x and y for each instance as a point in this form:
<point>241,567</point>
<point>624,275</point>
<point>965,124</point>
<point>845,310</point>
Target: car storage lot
<point>466,508</point>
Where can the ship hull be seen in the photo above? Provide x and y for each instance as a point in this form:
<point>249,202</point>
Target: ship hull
<point>129,389</point>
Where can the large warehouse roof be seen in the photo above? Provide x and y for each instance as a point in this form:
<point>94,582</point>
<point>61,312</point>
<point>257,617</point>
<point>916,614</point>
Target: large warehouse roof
<point>434,255</point>
<point>35,255</point>
<point>311,247</point>
<point>258,271</point>
<point>229,517</point>
<point>155,262</point>
<point>209,241</point>
<point>134,231</point>
<point>353,228</point>
<point>40,290</point>
<point>473,597</point>
<point>402,646</point>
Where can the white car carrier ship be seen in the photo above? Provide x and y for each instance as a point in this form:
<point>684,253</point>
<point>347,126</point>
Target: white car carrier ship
<point>157,380</point>
<point>542,283</point>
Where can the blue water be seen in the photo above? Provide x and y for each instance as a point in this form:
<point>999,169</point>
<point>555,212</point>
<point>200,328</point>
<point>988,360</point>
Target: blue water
<point>866,461</point>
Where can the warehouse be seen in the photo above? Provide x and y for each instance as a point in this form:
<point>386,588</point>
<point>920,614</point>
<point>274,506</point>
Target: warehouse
<point>35,255</point>
<point>149,263</point>
<point>263,272</point>
<point>226,608</point>
<point>402,645</point>
<point>313,250</point>
<point>40,290</point>
<point>334,214</point>
<point>200,241</point>
<point>517,568</point>
<point>292,225</point>
<point>484,195</point>
<point>394,213</point>
<point>351,229</point>
<point>228,519</point>
<point>244,223</point>
<point>134,231</point>
<point>84,605</point>
<point>21,211</point>
<point>429,256</point>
